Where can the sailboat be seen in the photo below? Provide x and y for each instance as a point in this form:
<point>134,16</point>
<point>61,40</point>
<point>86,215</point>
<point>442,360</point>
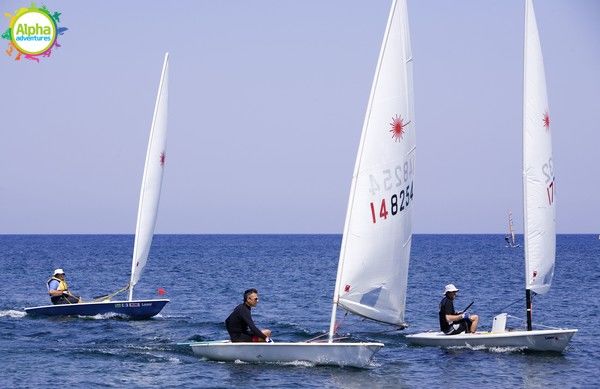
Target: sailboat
<point>373,264</point>
<point>146,221</point>
<point>539,216</point>
<point>510,238</point>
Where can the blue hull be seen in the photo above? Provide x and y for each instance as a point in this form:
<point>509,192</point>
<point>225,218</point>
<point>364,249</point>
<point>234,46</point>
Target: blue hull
<point>136,309</point>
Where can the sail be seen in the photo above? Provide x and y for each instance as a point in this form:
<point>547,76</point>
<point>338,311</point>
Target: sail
<point>538,165</point>
<point>152,180</point>
<point>373,266</point>
<point>510,229</point>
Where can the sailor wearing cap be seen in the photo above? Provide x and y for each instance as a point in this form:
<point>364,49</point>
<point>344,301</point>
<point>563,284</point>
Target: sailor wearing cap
<point>58,289</point>
<point>452,322</point>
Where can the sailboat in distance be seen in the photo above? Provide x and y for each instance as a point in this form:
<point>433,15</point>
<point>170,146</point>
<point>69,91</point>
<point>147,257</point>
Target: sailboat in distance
<point>146,221</point>
<point>539,216</point>
<point>510,237</point>
<point>373,264</point>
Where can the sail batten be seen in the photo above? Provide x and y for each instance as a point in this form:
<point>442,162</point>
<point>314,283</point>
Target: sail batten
<point>151,181</point>
<point>538,165</point>
<point>373,264</point>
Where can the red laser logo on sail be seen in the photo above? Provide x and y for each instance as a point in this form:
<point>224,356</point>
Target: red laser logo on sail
<point>398,127</point>
<point>546,120</point>
<point>163,157</point>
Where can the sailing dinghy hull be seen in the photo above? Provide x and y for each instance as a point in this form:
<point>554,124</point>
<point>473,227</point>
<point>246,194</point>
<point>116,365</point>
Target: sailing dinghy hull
<point>535,340</point>
<point>136,309</point>
<point>336,354</point>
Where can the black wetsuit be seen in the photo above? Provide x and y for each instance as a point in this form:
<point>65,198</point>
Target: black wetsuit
<point>240,325</point>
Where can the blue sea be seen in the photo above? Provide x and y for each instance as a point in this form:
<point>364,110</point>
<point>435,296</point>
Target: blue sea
<point>205,275</point>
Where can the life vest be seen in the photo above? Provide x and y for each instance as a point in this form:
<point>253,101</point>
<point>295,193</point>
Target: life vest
<point>62,285</point>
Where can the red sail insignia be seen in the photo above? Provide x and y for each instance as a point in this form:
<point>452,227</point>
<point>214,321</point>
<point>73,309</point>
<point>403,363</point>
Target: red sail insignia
<point>546,120</point>
<point>398,127</point>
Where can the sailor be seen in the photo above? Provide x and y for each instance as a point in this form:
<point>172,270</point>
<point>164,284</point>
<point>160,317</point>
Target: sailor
<point>240,325</point>
<point>58,289</point>
<point>452,322</point>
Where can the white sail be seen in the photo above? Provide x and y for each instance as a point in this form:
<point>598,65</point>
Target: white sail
<point>373,265</point>
<point>152,180</point>
<point>538,166</point>
<point>511,230</point>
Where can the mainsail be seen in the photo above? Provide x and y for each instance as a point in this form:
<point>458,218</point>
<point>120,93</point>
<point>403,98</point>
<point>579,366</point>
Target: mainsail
<point>373,265</point>
<point>511,230</point>
<point>152,180</point>
<point>538,166</point>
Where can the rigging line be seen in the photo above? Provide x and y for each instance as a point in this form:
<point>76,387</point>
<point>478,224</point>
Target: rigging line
<point>392,330</point>
<point>339,324</point>
<point>535,324</point>
<point>315,338</point>
<point>111,295</point>
<point>516,317</point>
<point>334,339</point>
<point>513,303</point>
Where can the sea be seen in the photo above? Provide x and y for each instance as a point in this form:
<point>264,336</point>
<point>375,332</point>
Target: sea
<point>204,276</point>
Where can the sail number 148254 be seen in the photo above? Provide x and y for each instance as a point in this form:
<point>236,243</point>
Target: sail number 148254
<point>396,204</point>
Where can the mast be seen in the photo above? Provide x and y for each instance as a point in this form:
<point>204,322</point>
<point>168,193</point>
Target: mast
<point>525,224</point>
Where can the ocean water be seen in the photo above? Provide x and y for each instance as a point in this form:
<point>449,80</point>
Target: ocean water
<point>205,275</point>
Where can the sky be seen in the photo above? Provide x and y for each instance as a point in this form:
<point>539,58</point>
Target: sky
<point>266,104</point>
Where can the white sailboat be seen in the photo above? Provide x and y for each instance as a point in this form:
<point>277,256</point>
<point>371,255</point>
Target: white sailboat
<point>510,238</point>
<point>146,221</point>
<point>373,264</point>
<point>539,215</point>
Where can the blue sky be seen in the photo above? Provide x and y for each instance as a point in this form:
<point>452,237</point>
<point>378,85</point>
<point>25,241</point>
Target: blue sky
<point>267,100</point>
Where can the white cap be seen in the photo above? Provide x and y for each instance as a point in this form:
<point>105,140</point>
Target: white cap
<point>58,271</point>
<point>450,288</point>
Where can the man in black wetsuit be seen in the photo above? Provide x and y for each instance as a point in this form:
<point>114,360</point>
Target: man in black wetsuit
<point>452,322</point>
<point>240,325</point>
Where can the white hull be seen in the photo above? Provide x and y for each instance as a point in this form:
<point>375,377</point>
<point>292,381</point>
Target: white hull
<point>338,354</point>
<point>536,340</point>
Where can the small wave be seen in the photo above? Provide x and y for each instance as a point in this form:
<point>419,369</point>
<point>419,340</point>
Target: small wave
<point>139,354</point>
<point>156,357</point>
<point>476,348</point>
<point>498,349</point>
<point>196,338</point>
<point>288,363</point>
<point>104,316</point>
<point>506,349</point>
<point>12,313</point>
<point>296,363</point>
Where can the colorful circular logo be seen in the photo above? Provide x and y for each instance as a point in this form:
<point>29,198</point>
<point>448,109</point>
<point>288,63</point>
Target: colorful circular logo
<point>33,32</point>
